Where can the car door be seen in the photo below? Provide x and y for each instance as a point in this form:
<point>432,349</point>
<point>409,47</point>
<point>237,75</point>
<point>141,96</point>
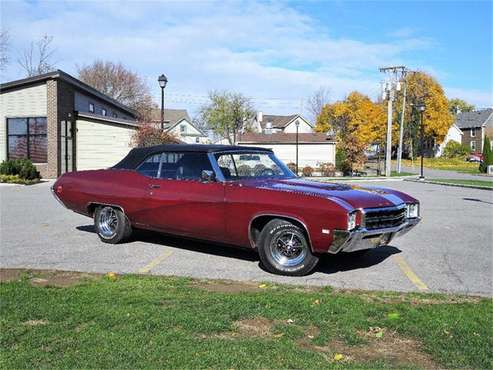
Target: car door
<point>180,202</point>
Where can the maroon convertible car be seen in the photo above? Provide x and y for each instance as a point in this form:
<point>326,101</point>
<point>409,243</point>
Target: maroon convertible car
<point>236,195</point>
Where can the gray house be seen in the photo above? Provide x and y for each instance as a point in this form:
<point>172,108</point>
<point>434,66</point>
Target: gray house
<point>62,124</point>
<point>475,126</point>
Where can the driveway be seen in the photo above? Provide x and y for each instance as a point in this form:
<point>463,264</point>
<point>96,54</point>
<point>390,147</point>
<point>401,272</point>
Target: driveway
<point>450,251</point>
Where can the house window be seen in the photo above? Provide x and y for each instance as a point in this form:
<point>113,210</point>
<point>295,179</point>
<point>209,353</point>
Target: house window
<point>26,139</point>
<point>183,129</point>
<point>103,112</point>
<point>473,132</point>
<point>91,107</point>
<point>197,140</point>
<point>473,145</point>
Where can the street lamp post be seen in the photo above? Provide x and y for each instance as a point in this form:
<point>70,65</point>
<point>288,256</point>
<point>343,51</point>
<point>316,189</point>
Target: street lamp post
<point>421,108</point>
<point>162,84</point>
<point>297,127</point>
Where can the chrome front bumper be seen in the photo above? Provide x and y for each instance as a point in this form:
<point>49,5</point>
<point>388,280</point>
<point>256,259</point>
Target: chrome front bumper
<point>359,239</point>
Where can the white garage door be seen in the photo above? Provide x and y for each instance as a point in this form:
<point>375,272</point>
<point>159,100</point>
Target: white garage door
<point>101,144</point>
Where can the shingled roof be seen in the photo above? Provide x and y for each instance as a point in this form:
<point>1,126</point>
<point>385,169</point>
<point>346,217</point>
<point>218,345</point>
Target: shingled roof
<point>475,119</point>
<point>285,138</point>
<point>171,116</point>
<point>277,121</point>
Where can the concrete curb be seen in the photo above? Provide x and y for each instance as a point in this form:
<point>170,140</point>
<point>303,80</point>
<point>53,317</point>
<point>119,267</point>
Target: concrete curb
<point>358,179</point>
<point>449,184</point>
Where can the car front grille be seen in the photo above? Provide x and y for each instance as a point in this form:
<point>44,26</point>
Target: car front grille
<point>381,218</point>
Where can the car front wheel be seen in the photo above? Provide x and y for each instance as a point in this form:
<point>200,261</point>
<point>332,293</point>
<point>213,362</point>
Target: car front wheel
<point>284,249</point>
<point>111,224</point>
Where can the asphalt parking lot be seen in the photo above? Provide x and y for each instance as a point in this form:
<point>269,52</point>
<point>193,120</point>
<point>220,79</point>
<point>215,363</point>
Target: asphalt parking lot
<point>450,251</point>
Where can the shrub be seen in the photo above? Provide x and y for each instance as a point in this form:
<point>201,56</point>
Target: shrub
<point>23,168</point>
<point>453,149</point>
<point>342,162</point>
<point>487,156</point>
<point>149,134</point>
<point>292,167</point>
<point>15,179</point>
<point>307,171</point>
<point>327,169</point>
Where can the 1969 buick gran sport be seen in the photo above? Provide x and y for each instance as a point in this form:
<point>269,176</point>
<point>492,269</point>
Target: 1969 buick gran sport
<point>236,195</point>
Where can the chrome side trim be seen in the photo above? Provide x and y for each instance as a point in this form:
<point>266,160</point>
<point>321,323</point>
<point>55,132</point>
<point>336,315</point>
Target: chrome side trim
<point>250,238</point>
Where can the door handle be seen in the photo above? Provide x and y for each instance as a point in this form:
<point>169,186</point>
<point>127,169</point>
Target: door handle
<point>154,186</point>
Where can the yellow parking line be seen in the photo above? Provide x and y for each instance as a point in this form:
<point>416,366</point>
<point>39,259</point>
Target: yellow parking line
<point>406,269</point>
<point>155,262</point>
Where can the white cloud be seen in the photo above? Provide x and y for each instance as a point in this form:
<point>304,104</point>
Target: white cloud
<point>481,99</point>
<point>267,51</point>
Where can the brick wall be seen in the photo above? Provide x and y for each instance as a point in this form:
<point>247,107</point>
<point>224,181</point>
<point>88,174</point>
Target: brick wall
<point>60,100</point>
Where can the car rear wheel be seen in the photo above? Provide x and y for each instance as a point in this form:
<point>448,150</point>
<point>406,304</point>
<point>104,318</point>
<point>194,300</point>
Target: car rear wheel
<point>112,226</point>
<point>284,249</point>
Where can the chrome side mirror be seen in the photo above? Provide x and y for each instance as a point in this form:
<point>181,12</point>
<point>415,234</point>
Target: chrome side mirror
<point>208,176</point>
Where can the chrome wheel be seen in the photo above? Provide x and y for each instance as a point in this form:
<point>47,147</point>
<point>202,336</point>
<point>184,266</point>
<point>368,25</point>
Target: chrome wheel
<point>107,222</point>
<point>288,249</point>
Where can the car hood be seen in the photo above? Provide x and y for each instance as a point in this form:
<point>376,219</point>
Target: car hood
<point>347,195</point>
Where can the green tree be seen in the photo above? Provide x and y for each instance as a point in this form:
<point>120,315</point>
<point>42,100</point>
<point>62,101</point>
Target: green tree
<point>453,149</point>
<point>458,105</point>
<point>226,113</point>
<point>487,156</point>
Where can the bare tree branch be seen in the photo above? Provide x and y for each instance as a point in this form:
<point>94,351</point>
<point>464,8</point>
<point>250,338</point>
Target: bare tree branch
<point>123,85</point>
<point>4,48</point>
<point>317,101</point>
<point>37,58</point>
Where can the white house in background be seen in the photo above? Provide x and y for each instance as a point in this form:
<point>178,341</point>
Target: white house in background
<point>279,134</point>
<point>270,123</point>
<point>454,133</point>
<point>313,148</point>
<point>178,123</point>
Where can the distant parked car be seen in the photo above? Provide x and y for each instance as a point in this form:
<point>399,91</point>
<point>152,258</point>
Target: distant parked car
<point>236,195</point>
<point>475,157</point>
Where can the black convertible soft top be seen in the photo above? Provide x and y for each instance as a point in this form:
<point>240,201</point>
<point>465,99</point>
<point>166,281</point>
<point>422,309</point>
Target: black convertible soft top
<point>137,155</point>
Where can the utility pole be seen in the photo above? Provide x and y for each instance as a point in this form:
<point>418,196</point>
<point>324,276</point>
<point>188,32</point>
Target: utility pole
<point>401,129</point>
<point>390,86</point>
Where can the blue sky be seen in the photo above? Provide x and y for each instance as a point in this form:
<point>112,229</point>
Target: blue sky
<point>278,53</point>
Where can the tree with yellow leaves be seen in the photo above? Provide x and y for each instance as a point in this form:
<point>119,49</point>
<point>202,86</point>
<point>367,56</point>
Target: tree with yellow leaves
<point>423,88</point>
<point>357,122</point>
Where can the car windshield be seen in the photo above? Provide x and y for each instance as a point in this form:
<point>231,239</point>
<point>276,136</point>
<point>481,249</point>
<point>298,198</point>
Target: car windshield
<point>252,165</point>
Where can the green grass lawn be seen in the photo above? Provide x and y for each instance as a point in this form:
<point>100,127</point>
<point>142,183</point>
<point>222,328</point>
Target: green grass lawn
<point>402,173</point>
<point>450,164</point>
<point>483,183</point>
<point>61,321</point>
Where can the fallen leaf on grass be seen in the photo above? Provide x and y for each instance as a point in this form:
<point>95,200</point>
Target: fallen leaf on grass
<point>112,276</point>
<point>376,331</point>
<point>289,321</point>
<point>338,357</point>
<point>262,286</point>
<point>316,301</point>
